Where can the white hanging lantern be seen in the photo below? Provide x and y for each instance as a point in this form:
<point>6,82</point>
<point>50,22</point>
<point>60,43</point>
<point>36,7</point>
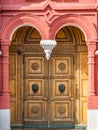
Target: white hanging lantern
<point>48,45</point>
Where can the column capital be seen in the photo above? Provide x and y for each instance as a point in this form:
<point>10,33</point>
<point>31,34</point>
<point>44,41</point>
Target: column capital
<point>5,42</point>
<point>92,47</point>
<point>5,49</point>
<point>92,41</point>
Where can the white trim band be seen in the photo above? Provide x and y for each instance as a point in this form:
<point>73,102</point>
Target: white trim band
<point>5,119</point>
<point>92,120</point>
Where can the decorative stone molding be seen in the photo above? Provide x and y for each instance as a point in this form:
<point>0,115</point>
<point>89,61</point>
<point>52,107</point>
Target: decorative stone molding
<point>73,20</point>
<point>23,19</point>
<point>48,45</point>
<point>65,5</point>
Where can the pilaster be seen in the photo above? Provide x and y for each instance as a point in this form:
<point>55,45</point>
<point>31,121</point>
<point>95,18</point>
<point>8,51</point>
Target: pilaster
<point>96,70</point>
<point>91,68</point>
<point>5,97</point>
<point>92,97</point>
<point>0,75</point>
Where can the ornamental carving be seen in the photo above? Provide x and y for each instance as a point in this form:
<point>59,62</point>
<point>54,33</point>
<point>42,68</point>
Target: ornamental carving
<point>62,66</point>
<point>35,109</point>
<point>35,66</point>
<point>61,110</point>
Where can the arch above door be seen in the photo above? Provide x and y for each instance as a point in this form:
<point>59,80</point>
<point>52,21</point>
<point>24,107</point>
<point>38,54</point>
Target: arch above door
<point>23,19</point>
<point>48,31</point>
<point>74,20</point>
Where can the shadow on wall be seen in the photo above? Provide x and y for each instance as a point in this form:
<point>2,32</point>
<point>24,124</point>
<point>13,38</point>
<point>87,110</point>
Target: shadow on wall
<point>36,1</point>
<point>65,0</point>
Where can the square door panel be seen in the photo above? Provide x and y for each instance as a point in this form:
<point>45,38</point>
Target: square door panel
<point>30,90</point>
<point>84,88</point>
<point>62,66</point>
<point>34,66</point>
<point>84,62</point>
<point>64,82</point>
<point>61,110</point>
<point>12,84</point>
<point>34,111</point>
<point>12,64</point>
<point>13,112</point>
<point>83,111</point>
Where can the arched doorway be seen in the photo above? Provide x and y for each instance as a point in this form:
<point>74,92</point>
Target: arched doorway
<point>25,52</point>
<point>71,44</point>
<point>48,93</point>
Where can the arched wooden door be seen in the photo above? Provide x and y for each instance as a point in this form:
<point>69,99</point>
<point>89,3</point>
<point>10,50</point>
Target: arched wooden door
<point>48,94</point>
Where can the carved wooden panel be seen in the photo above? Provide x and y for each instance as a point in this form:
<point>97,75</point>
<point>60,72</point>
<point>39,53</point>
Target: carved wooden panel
<point>13,112</point>
<point>62,66</point>
<point>32,36</point>
<point>66,82</point>
<point>12,64</point>
<point>61,111</point>
<point>34,111</point>
<point>83,87</point>
<point>13,86</point>
<point>29,90</point>
<point>34,66</point>
<point>64,36</point>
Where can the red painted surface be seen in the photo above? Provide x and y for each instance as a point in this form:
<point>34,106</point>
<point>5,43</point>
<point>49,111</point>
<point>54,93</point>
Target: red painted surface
<point>91,68</point>
<point>4,96</point>
<point>74,20</point>
<point>48,16</point>
<point>0,75</point>
<point>93,102</point>
<point>5,102</point>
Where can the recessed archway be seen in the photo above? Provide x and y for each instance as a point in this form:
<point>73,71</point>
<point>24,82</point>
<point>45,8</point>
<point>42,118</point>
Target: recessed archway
<point>26,57</point>
<point>25,41</point>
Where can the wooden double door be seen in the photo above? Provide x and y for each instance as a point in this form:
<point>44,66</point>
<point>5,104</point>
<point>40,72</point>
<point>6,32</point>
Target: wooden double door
<point>42,91</point>
<point>48,87</point>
